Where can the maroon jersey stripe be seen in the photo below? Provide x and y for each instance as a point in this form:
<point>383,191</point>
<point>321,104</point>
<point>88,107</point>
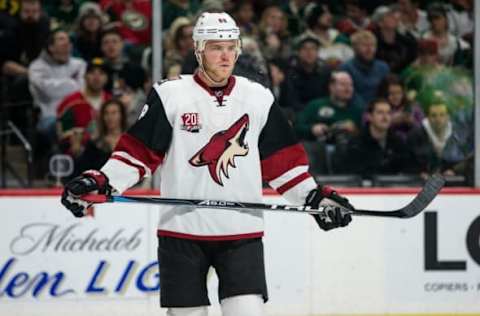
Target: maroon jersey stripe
<point>282,161</point>
<point>290,184</point>
<point>139,151</point>
<point>169,233</point>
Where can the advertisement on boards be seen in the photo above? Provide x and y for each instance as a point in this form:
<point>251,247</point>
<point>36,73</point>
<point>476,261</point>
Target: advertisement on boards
<point>52,263</point>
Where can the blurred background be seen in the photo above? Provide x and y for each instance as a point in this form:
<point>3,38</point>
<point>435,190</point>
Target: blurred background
<point>380,92</point>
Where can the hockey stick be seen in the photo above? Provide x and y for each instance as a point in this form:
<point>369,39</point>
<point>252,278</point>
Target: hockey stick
<point>429,191</point>
<point>418,204</point>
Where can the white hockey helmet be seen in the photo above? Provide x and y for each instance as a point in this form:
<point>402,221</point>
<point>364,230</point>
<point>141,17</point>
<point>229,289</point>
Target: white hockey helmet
<point>215,26</point>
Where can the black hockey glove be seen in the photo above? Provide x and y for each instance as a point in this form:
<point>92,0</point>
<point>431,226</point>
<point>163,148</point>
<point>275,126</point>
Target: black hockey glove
<point>335,216</point>
<point>90,181</point>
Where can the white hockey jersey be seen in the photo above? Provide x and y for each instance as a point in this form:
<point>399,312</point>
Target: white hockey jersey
<point>212,144</point>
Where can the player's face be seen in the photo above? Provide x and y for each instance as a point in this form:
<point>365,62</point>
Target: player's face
<point>219,59</point>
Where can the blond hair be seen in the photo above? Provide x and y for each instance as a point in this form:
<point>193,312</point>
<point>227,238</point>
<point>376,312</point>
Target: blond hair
<point>362,36</point>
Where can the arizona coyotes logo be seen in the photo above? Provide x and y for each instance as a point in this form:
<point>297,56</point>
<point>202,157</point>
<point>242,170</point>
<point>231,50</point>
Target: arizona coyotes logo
<point>220,152</point>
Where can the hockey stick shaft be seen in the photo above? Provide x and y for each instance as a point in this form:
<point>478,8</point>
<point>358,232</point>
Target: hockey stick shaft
<point>229,205</point>
<point>217,204</point>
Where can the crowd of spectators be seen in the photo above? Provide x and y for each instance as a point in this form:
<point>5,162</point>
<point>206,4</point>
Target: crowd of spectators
<point>371,87</point>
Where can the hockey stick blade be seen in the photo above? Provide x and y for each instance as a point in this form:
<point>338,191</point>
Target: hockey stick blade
<point>429,191</point>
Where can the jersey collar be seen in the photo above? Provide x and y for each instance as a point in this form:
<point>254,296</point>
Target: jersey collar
<point>226,90</point>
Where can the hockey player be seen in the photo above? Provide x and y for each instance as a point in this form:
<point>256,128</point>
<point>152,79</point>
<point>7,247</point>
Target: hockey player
<point>217,136</point>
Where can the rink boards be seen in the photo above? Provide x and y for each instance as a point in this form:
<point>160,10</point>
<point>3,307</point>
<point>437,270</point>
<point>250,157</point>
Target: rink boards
<point>54,264</point>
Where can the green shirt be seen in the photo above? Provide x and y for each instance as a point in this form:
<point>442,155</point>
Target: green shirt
<point>324,110</point>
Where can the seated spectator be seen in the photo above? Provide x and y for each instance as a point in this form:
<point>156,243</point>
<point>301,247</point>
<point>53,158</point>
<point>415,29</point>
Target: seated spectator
<point>28,34</point>
<point>377,150</point>
<point>179,45</point>
<point>296,15</point>
<point>340,112</point>
<point>7,24</point>
<point>367,72</point>
<point>461,18</point>
<point>333,120</point>
<point>413,20</point>
<point>22,39</point>
<point>54,75</point>
<point>307,75</point>
<point>428,54</point>
<point>87,32</point>
<point>77,111</point>
<point>406,114</point>
<point>356,18</point>
<point>273,33</point>
<point>428,141</point>
<point>251,63</point>
<point>133,99</point>
<point>334,45</point>
<point>459,152</point>
<point>426,78</point>
<point>132,18</point>
<point>63,13</point>
<point>112,122</point>
<point>121,69</point>
<point>397,50</point>
<point>427,60</point>
<point>243,13</point>
<point>451,49</point>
